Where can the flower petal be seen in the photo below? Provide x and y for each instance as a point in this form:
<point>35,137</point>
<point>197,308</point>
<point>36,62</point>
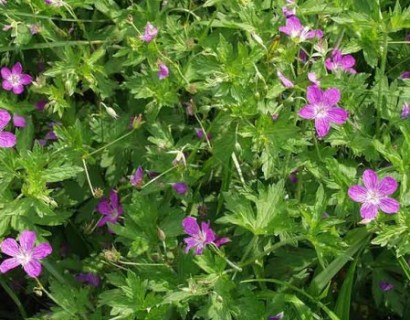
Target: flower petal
<point>338,115</point>
<point>387,186</point>
<point>329,64</point>
<point>314,94</point>
<point>331,97</point>
<point>27,240</point>
<point>17,68</point>
<point>104,220</point>
<point>5,72</point>
<point>190,226</point>
<point>104,207</point>
<point>322,126</point>
<point>33,268</point>
<point>18,89</point>
<point>42,251</point>
<point>357,193</point>
<point>389,205</point>
<point>348,61</point>
<point>114,198</point>
<point>26,79</point>
<point>7,85</point>
<point>4,118</point>
<point>9,264</point>
<point>368,211</point>
<point>19,121</point>
<point>191,242</point>
<point>208,232</point>
<point>10,247</point>
<point>307,112</point>
<point>370,179</point>
<point>7,140</point>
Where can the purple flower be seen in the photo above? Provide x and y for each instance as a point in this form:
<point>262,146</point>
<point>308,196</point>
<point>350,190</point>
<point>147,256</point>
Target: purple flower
<point>15,79</point>
<point>90,278</point>
<point>405,75</point>
<point>199,237</point>
<point>163,71</point>
<point>34,29</point>
<point>385,286</point>
<point>340,62</point>
<point>303,56</point>
<point>285,81</point>
<point>110,208</point>
<point>288,12</point>
<point>313,78</point>
<point>51,135</point>
<point>137,177</point>
<point>40,105</point>
<point>25,254</point>
<point>322,108</point>
<point>295,30</point>
<point>279,316</point>
<point>374,195</point>
<point>405,111</point>
<point>7,139</point>
<point>19,121</point>
<point>201,134</point>
<point>293,176</point>
<point>180,187</point>
<point>150,32</point>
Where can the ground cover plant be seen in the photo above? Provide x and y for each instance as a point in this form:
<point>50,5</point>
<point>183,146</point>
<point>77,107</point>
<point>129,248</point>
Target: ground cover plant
<point>204,159</point>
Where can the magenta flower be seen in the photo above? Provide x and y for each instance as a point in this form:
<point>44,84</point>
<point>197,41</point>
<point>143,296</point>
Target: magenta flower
<point>15,79</point>
<point>19,121</point>
<point>385,286</point>
<point>89,278</point>
<point>7,139</point>
<point>340,62</point>
<point>150,32</point>
<point>26,254</point>
<point>295,30</point>
<point>322,108</point>
<point>199,237</point>
<point>163,71</point>
<point>111,209</point>
<point>303,56</point>
<point>405,75</point>
<point>313,78</point>
<point>285,81</point>
<point>40,105</point>
<point>201,134</point>
<point>180,187</point>
<point>137,177</point>
<point>374,195</point>
<point>405,111</point>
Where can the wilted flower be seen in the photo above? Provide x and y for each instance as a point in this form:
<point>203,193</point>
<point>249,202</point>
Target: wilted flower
<point>340,62</point>
<point>295,30</point>
<point>25,254</point>
<point>385,286</point>
<point>163,71</point>
<point>279,316</point>
<point>15,79</point>
<point>150,32</point>
<point>274,116</point>
<point>40,105</point>
<point>313,78</point>
<point>55,3</point>
<point>303,56</point>
<point>90,278</point>
<point>405,75</point>
<point>34,29</point>
<point>293,176</point>
<point>19,121</point>
<point>7,139</point>
<point>322,108</point>
<point>137,177</point>
<point>200,237</point>
<point>374,195</point>
<point>111,209</point>
<point>285,81</point>
<point>405,111</point>
<point>201,134</point>
<point>180,187</point>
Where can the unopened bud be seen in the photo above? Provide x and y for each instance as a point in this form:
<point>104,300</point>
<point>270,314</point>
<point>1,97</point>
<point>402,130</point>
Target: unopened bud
<point>112,255</point>
<point>161,234</point>
<point>98,193</point>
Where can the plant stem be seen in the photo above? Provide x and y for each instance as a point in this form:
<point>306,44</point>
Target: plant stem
<point>88,178</point>
<point>14,297</point>
<point>109,144</point>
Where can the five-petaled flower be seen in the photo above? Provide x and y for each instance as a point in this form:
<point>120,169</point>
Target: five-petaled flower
<point>111,209</point>
<point>15,79</point>
<point>340,62</point>
<point>295,30</point>
<point>26,254</point>
<point>322,107</point>
<point>7,139</point>
<point>150,32</point>
<point>200,237</point>
<point>374,195</point>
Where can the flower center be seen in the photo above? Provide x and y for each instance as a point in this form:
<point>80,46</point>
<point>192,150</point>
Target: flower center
<point>14,79</point>
<point>24,257</point>
<point>373,197</point>
<point>321,111</point>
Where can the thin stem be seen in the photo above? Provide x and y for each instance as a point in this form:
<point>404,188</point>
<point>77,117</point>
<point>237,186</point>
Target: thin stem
<point>238,168</point>
<point>404,266</point>
<point>53,45</point>
<point>14,297</point>
<point>382,71</point>
<point>109,144</point>
<point>88,178</point>
<point>141,264</point>
<point>219,253</point>
<point>205,133</point>
<point>317,147</point>
<point>157,177</point>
